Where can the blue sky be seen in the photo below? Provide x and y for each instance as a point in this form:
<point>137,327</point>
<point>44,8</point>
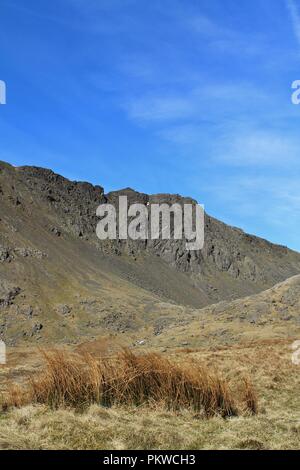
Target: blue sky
<point>184,96</point>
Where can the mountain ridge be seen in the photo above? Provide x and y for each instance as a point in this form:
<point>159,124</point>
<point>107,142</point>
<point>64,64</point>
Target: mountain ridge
<point>58,281</point>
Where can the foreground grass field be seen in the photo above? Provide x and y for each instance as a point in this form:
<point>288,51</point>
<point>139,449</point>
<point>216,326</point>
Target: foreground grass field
<point>37,427</point>
<point>275,426</point>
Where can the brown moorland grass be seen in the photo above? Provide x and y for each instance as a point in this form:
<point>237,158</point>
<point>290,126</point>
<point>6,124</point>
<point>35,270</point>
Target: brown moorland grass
<point>79,380</point>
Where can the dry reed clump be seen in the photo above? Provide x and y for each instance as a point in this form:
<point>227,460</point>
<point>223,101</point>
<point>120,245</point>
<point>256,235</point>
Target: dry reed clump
<point>249,397</point>
<point>129,379</point>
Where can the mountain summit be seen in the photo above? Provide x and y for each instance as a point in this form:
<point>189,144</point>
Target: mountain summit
<point>58,281</point>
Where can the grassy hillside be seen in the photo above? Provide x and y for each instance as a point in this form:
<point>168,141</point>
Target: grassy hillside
<point>275,426</point>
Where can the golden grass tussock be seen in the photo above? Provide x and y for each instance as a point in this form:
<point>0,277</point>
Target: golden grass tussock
<point>79,380</point>
<point>249,396</point>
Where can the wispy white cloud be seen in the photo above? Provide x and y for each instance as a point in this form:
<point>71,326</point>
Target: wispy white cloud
<point>161,108</point>
<point>203,25</point>
<point>295,16</point>
<point>184,134</point>
<point>269,199</point>
<point>208,101</point>
<point>255,147</point>
<point>223,39</point>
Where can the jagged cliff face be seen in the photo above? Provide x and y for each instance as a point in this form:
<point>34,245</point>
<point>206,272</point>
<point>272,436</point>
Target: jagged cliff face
<point>54,269</point>
<point>227,249</point>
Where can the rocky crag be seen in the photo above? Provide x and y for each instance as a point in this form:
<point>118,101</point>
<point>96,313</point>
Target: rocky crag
<point>58,281</point>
